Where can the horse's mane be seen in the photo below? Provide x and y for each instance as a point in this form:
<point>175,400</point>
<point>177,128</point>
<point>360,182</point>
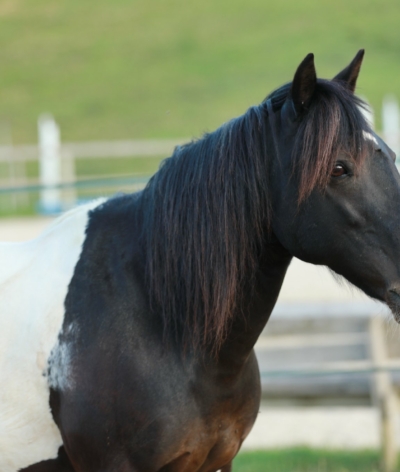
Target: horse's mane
<point>207,210</point>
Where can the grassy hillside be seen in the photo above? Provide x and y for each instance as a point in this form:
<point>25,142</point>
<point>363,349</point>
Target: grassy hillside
<point>168,68</point>
<point>307,460</point>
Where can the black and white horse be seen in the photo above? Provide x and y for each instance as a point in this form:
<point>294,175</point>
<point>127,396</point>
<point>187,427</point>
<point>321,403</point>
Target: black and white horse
<point>127,328</point>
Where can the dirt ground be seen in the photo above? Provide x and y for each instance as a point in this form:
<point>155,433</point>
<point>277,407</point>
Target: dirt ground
<point>320,427</point>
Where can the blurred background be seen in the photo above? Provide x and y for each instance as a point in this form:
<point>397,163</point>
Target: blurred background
<point>94,94</point>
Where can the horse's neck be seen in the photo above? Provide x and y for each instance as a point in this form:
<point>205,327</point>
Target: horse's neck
<point>248,325</point>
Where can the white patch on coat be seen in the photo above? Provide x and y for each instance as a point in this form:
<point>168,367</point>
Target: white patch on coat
<point>34,279</point>
<point>60,377</point>
<point>370,137</point>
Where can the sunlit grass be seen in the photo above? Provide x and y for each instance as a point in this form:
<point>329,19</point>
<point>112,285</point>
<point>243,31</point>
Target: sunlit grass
<point>166,68</point>
<point>307,460</point>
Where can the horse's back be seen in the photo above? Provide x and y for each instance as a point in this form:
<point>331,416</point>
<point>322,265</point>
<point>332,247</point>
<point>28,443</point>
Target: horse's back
<point>34,279</point>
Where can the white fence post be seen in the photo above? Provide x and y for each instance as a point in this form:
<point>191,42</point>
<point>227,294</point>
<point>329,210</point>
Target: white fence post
<point>391,123</point>
<point>49,164</point>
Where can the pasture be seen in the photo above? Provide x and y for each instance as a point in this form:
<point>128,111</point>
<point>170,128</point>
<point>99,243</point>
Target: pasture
<point>117,70</point>
<point>307,460</point>
<point>171,70</point>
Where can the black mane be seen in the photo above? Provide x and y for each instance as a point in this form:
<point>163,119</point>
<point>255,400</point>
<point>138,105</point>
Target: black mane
<point>207,209</point>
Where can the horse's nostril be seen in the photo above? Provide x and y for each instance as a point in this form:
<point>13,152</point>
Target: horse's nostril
<point>394,292</point>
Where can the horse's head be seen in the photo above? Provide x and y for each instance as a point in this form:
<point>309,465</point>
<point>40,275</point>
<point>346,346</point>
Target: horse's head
<point>335,185</point>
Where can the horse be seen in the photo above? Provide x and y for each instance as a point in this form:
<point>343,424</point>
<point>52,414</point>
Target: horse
<point>127,328</point>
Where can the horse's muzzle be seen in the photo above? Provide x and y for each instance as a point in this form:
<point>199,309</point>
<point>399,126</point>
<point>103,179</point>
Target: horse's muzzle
<point>393,301</point>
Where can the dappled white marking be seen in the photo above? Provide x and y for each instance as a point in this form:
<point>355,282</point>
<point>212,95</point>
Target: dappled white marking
<point>370,137</point>
<point>60,361</point>
<point>34,278</point>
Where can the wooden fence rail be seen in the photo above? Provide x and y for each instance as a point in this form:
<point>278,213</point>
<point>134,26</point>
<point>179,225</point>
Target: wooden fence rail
<point>300,355</point>
<point>96,149</point>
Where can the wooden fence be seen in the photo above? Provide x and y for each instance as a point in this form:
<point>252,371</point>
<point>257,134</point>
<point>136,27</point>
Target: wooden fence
<point>95,149</point>
<point>352,357</point>
<point>55,188</point>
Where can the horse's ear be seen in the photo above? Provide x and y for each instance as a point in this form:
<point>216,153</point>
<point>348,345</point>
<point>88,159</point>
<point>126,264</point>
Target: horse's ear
<point>349,75</point>
<point>303,85</point>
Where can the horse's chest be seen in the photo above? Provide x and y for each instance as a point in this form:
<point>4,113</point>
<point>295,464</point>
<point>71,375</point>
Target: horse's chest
<point>165,421</point>
<point>211,442</point>
<point>213,425</point>
<point>216,428</point>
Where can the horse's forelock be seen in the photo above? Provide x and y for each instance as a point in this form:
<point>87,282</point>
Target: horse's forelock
<point>334,124</point>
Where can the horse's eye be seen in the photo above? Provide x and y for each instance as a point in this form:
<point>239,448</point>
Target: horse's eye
<point>338,171</point>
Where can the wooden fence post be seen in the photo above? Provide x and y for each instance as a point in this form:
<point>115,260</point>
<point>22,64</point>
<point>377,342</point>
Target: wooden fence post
<point>384,395</point>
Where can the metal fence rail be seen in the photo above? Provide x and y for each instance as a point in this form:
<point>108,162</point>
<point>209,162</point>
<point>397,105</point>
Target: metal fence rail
<point>87,183</point>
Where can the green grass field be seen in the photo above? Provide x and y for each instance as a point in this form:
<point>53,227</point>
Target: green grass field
<point>307,460</point>
<point>167,68</point>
